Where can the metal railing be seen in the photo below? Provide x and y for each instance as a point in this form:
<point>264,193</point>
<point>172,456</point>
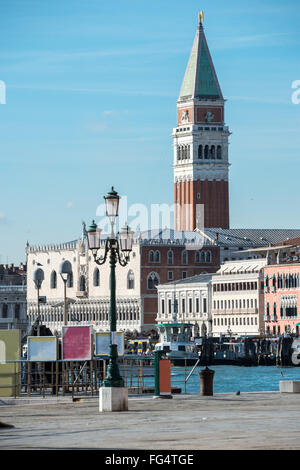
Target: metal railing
<point>73,378</point>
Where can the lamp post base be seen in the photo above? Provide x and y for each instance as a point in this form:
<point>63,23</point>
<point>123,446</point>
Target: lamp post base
<point>113,399</point>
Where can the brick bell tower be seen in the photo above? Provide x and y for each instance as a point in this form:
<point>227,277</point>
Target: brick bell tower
<point>200,145</point>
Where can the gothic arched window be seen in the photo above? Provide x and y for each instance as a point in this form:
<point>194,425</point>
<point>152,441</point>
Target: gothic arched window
<point>157,256</point>
<point>151,256</point>
<point>4,310</point>
<point>17,311</point>
<point>53,280</point>
<point>130,279</point>
<point>96,277</point>
<point>197,257</point>
<point>208,257</point>
<point>200,151</point>
<point>170,257</point>
<point>70,280</point>
<point>82,284</point>
<point>206,150</point>
<point>184,257</point>
<point>152,280</point>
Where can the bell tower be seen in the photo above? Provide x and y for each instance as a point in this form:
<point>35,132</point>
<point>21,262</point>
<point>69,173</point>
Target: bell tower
<point>200,143</point>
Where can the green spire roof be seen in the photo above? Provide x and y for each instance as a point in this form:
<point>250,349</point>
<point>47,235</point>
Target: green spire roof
<point>200,80</point>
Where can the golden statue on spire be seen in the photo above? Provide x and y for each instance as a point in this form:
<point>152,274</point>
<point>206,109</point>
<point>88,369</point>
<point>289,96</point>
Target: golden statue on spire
<point>201,17</point>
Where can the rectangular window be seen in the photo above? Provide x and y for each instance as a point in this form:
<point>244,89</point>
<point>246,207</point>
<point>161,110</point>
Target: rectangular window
<point>183,305</point>
<point>184,274</point>
<point>170,275</point>
<point>170,306</point>
<point>162,306</point>
<point>204,305</point>
<point>197,305</point>
<point>190,305</point>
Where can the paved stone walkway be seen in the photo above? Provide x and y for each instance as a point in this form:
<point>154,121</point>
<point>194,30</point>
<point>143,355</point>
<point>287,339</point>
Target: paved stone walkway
<point>225,421</point>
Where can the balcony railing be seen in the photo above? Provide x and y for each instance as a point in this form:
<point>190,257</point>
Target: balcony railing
<point>238,311</point>
<point>19,289</point>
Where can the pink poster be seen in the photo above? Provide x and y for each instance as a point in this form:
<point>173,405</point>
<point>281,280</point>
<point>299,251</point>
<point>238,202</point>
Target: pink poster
<point>76,343</point>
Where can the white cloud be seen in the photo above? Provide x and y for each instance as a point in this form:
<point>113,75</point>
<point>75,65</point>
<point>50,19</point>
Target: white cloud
<point>3,217</point>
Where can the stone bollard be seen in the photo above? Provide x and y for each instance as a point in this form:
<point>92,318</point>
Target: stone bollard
<point>206,382</point>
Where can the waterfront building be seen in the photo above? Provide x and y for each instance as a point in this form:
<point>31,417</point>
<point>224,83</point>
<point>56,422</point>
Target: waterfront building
<point>282,288</point>
<point>12,275</point>
<point>13,298</point>
<point>242,243</point>
<point>157,257</point>
<point>281,285</point>
<point>227,303</point>
<point>187,301</point>
<point>238,298</point>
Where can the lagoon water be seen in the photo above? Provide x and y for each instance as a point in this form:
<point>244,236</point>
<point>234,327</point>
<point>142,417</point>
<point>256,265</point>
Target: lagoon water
<point>230,379</point>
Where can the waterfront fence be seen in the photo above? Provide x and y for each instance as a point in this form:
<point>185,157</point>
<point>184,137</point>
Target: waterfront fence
<point>75,378</point>
<point>84,378</point>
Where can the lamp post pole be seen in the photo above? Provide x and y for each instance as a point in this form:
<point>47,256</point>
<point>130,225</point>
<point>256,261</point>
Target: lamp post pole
<point>65,303</point>
<point>38,277</point>
<point>113,377</point>
<point>118,249</point>
<point>65,271</point>
<point>39,313</point>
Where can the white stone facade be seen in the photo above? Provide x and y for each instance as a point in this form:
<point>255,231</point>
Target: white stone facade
<point>188,301</point>
<point>90,292</point>
<point>238,298</point>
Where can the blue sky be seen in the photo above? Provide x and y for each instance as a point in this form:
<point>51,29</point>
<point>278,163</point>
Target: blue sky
<point>91,90</point>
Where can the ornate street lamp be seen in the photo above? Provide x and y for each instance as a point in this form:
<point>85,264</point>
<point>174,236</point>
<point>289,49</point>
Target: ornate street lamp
<point>119,249</point>
<point>65,271</point>
<point>38,277</point>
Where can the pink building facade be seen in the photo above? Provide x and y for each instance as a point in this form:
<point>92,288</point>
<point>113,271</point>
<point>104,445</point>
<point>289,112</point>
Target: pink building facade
<point>282,298</point>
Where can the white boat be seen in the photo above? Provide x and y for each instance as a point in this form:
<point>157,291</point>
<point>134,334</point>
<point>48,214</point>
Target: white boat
<point>175,340</point>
